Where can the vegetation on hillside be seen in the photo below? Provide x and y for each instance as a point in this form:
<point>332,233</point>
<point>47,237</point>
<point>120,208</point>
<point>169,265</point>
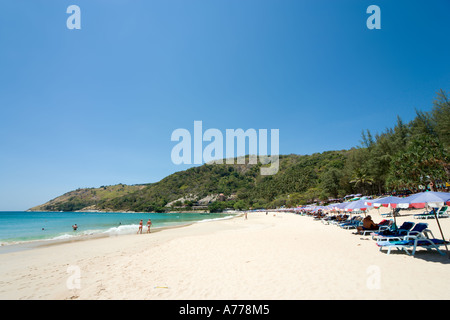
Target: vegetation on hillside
<point>86,197</point>
<point>401,158</point>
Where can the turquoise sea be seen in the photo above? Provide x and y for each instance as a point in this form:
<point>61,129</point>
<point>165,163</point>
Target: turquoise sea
<point>19,226</point>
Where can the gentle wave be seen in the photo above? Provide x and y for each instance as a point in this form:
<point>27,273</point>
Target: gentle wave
<point>112,231</point>
<point>215,219</point>
<point>124,229</point>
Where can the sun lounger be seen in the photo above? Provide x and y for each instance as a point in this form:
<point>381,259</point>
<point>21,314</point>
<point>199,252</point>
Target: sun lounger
<point>404,228</point>
<point>413,242</point>
<point>419,230</point>
<point>328,219</point>
<point>320,216</point>
<point>442,213</point>
<point>426,215</point>
<point>352,223</point>
<point>389,214</point>
<point>340,219</point>
<point>383,225</point>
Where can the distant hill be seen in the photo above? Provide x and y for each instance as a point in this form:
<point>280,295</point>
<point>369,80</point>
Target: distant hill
<point>409,157</point>
<point>86,198</point>
<point>201,186</point>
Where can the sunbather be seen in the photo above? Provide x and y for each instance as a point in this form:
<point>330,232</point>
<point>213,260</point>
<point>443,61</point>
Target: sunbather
<point>368,224</point>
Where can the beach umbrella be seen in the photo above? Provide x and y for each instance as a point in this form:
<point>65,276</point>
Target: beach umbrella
<point>357,205</point>
<point>340,206</point>
<point>388,201</point>
<point>329,207</point>
<point>432,199</point>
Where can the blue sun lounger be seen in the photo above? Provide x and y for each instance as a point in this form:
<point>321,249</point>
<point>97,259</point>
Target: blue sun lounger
<point>384,225</point>
<point>413,242</point>
<point>353,223</point>
<point>442,213</point>
<point>404,228</point>
<point>389,214</point>
<point>418,230</point>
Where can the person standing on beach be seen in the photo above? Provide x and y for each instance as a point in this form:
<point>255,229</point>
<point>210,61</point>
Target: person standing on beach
<point>149,223</point>
<point>140,227</point>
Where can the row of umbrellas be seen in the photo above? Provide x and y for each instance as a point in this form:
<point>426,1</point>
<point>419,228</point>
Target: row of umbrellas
<point>428,198</point>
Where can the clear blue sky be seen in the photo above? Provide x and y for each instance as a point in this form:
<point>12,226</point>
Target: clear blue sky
<point>97,106</point>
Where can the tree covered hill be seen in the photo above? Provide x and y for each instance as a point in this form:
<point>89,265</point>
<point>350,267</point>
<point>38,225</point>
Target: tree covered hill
<point>240,182</point>
<point>407,157</point>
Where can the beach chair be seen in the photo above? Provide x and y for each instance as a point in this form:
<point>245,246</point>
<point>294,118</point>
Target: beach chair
<point>334,219</point>
<point>419,230</point>
<point>404,228</point>
<point>328,219</point>
<point>320,216</point>
<point>442,213</point>
<point>389,214</point>
<point>340,219</point>
<point>426,215</point>
<point>352,223</point>
<point>425,240</point>
<point>383,225</point>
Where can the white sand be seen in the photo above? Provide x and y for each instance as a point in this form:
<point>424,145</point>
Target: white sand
<point>285,256</point>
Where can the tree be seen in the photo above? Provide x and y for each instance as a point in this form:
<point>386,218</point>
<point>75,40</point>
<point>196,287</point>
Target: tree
<point>440,117</point>
<point>424,160</point>
<point>217,206</point>
<point>361,179</point>
<point>240,205</point>
<point>330,181</point>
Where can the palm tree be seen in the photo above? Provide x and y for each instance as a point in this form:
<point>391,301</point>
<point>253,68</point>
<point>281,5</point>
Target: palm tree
<point>361,179</point>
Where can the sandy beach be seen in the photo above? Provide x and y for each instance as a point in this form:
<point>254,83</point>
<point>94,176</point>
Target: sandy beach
<point>267,256</point>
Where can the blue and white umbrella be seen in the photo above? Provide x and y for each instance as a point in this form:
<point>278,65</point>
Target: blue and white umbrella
<point>357,205</point>
<point>432,199</point>
<point>390,200</point>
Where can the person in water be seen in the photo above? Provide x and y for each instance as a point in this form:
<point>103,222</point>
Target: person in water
<point>75,227</point>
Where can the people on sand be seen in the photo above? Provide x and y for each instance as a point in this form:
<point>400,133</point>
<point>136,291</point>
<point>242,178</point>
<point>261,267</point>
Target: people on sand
<point>368,224</point>
<point>75,227</point>
<point>140,227</point>
<point>149,224</point>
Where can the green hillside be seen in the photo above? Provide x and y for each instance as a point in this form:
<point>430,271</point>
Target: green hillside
<point>404,158</point>
<point>86,197</point>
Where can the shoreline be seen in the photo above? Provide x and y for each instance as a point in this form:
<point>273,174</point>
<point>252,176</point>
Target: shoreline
<point>33,244</point>
<point>267,256</point>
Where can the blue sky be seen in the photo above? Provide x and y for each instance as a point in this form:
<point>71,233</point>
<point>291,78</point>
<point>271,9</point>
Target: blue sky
<point>97,106</point>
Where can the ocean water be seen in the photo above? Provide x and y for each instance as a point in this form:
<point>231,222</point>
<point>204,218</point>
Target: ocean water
<point>19,227</point>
